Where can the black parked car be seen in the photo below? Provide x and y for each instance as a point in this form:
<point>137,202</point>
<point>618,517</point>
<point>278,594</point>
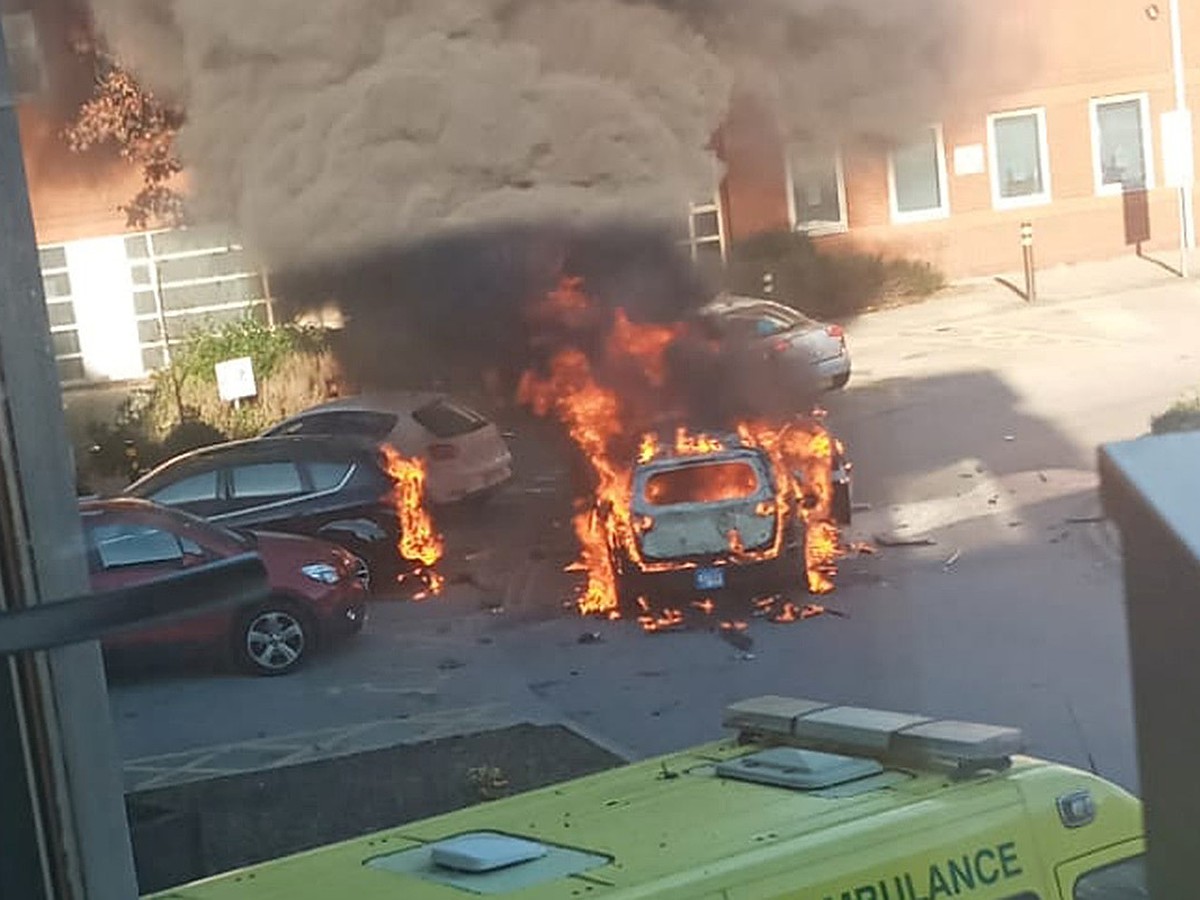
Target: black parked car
<point>333,488</point>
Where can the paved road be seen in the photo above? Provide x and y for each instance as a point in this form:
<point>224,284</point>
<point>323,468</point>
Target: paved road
<point>972,420</point>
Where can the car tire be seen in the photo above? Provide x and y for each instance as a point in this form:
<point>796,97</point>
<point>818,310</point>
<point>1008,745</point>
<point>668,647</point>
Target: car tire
<point>840,381</point>
<point>274,638</point>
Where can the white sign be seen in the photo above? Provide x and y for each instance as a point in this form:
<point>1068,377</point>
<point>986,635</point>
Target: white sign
<point>968,160</point>
<point>235,379</point>
<point>1178,155</point>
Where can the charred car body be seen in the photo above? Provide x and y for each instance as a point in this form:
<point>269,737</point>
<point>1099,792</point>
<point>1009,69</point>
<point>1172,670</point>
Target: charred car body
<point>715,517</point>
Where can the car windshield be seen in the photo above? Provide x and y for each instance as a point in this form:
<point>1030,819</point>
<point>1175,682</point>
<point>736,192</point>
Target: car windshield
<point>577,369</point>
<point>702,483</point>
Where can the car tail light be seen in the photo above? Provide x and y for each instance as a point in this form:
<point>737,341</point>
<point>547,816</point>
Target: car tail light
<point>835,331</point>
<point>442,452</point>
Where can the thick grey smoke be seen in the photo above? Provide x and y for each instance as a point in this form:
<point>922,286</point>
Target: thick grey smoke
<point>322,128</point>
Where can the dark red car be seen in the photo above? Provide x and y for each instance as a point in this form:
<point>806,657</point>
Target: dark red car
<point>318,590</point>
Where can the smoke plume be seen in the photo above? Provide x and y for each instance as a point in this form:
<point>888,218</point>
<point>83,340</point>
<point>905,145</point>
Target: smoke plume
<point>324,128</point>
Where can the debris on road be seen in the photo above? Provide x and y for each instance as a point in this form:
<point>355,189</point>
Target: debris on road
<point>590,637</point>
<point>1084,520</point>
<point>951,560</point>
<point>736,635</point>
<point>1010,437</point>
<point>495,607</point>
<point>860,507</point>
<point>892,539</point>
<point>1045,479</point>
<point>450,663</point>
<point>862,548</point>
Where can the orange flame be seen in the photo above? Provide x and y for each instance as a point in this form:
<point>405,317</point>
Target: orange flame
<point>597,418</point>
<point>419,541</point>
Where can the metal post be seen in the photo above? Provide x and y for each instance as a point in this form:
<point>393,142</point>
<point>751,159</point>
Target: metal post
<point>1027,259</point>
<point>67,810</point>
<point>1187,235</point>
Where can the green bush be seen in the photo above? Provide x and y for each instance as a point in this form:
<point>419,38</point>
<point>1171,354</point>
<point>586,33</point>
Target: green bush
<point>1182,415</point>
<point>181,410</point>
<point>823,283</point>
<point>268,346</point>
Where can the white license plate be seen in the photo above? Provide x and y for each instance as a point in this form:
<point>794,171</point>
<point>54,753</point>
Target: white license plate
<point>710,579</point>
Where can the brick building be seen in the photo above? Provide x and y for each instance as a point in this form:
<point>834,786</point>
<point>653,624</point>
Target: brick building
<point>1075,144</point>
<point>1077,149</point>
<point>117,299</point>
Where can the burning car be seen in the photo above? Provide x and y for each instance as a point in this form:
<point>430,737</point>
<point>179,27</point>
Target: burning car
<point>708,516</point>
<point>705,523</point>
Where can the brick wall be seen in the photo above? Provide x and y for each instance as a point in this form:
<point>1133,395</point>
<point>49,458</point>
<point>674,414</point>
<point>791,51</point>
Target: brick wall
<point>1060,54</point>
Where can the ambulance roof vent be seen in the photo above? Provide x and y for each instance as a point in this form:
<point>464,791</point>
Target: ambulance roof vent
<point>792,767</point>
<point>856,731</point>
<point>485,852</point>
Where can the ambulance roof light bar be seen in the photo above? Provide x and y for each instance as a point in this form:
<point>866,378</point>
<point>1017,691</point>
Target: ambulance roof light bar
<point>962,747</point>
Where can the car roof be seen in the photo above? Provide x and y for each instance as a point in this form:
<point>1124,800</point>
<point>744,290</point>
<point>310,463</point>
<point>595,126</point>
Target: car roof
<point>117,504</point>
<point>725,304</point>
<point>300,447</point>
<point>376,401</point>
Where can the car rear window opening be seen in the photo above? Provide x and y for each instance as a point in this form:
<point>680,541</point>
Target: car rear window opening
<point>708,483</point>
<point>444,419</point>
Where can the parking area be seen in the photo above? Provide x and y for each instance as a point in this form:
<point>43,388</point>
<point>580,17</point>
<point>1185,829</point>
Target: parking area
<point>976,554</point>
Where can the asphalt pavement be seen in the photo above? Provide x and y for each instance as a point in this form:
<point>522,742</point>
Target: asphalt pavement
<point>993,592</point>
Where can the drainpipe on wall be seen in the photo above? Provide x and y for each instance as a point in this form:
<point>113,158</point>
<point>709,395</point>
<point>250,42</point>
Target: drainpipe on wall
<point>1187,217</point>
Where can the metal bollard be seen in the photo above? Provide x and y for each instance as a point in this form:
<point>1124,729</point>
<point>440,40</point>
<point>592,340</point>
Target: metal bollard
<point>1027,255</point>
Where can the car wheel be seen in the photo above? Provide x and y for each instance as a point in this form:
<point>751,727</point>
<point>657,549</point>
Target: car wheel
<point>840,381</point>
<point>273,639</point>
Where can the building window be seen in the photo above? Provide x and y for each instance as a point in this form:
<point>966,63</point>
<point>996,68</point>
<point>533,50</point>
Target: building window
<point>1020,158</point>
<point>1121,144</point>
<point>816,194</point>
<point>24,53</point>
<point>187,280</point>
<point>60,310</point>
<point>706,234</point>
<point>917,179</point>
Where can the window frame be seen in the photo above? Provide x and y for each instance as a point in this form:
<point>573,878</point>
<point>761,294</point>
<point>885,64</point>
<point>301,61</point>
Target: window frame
<point>932,214</point>
<point>1147,125</point>
<point>842,225</point>
<point>1045,194</point>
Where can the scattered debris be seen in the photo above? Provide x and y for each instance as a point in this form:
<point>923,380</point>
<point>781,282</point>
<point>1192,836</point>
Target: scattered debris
<point>484,639</point>
<point>738,638</point>
<point>860,507</point>
<point>1043,477</point>
<point>495,607</point>
<point>1084,520</point>
<point>705,606</point>
<point>951,560</point>
<point>450,663</point>
<point>1015,524</point>
<point>901,540</point>
<point>862,548</point>
<point>489,781</point>
<point>746,657</point>
<point>1010,437</point>
<point>966,474</point>
<point>666,774</point>
<point>485,553</point>
<point>993,500</point>
<point>591,637</point>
